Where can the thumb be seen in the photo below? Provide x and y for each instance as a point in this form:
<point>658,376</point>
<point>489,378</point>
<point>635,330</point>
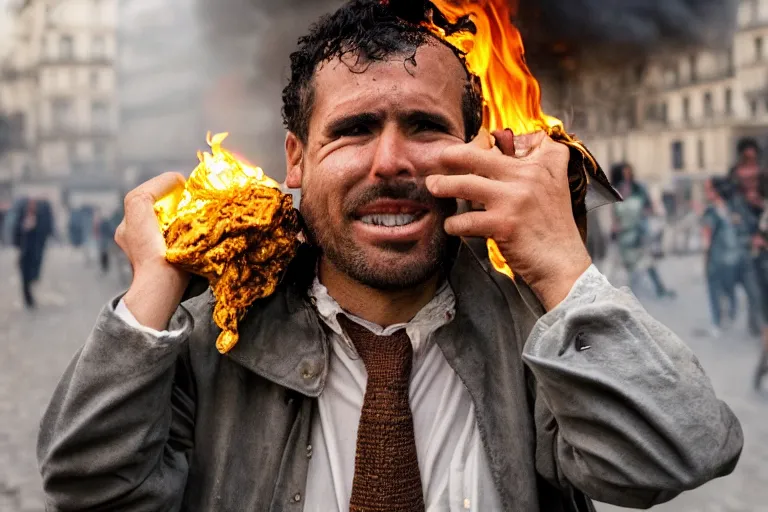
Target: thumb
<point>483,140</point>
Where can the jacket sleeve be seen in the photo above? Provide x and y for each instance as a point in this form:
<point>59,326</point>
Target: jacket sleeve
<point>119,427</point>
<point>623,410</point>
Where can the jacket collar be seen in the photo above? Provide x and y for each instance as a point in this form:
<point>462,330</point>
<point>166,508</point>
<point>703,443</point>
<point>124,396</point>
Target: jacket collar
<point>282,339</point>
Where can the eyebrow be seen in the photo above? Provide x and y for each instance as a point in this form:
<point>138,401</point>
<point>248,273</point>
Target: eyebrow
<point>345,122</point>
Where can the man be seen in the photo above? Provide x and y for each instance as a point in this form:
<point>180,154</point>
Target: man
<point>631,229</point>
<point>385,373</point>
<point>748,207</point>
<point>33,225</point>
<point>725,257</point>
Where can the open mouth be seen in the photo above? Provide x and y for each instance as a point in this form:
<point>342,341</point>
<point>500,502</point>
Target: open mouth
<point>392,220</point>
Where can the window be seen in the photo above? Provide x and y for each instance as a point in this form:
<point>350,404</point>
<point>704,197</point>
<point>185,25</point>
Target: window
<point>98,48</point>
<point>99,151</point>
<point>693,68</point>
<point>701,155</point>
<point>663,112</point>
<point>678,162</point>
<point>753,108</point>
<point>66,47</point>
<point>686,109</point>
<point>758,49</point>
<point>729,60</point>
<point>708,109</point>
<point>61,113</point>
<point>100,115</point>
<point>728,102</point>
<point>651,113</point>
<point>93,78</point>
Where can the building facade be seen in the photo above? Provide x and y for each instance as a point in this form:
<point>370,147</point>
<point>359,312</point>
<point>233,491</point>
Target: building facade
<point>677,116</point>
<point>57,87</point>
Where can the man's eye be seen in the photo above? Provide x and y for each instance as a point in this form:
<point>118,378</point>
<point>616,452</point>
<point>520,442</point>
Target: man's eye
<point>354,131</point>
<point>429,126</point>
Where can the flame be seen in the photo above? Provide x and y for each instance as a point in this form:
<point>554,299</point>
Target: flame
<point>495,54</point>
<point>218,172</point>
<point>231,224</point>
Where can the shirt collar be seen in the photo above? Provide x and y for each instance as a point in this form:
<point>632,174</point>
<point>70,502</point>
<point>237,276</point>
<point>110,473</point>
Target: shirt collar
<point>438,312</point>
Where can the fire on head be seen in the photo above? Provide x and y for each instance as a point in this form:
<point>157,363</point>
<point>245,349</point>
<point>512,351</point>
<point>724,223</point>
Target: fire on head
<point>372,102</point>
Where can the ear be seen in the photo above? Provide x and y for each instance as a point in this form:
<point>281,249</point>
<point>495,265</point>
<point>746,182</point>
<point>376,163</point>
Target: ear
<point>294,156</point>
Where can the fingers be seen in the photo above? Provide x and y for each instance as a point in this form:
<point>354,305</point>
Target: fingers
<point>479,224</point>
<point>483,140</point>
<point>505,141</point>
<point>557,156</point>
<point>156,188</point>
<point>469,187</point>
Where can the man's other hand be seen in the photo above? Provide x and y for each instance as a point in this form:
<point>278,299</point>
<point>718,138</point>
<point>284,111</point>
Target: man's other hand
<point>157,286</point>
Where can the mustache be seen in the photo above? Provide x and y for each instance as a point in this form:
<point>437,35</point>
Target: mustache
<point>405,190</point>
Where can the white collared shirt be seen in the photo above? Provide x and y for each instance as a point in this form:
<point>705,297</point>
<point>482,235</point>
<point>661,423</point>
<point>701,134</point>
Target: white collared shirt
<point>452,462</point>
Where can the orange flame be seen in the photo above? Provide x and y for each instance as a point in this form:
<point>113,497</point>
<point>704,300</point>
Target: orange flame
<point>495,53</point>
<point>219,171</point>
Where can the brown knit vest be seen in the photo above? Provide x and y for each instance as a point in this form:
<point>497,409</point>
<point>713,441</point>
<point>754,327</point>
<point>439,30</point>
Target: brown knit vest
<point>387,474</point>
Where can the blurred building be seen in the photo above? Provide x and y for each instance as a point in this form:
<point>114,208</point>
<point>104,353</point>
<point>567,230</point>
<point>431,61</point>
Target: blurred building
<point>57,89</point>
<point>186,67</point>
<point>678,114</point>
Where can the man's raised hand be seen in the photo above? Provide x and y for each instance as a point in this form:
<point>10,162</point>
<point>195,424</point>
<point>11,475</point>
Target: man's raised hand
<point>523,184</point>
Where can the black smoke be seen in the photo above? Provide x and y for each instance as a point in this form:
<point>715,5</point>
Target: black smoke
<point>642,26</point>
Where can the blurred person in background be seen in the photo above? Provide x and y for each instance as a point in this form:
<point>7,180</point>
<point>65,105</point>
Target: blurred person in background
<point>747,207</point>
<point>596,238</point>
<point>631,230</point>
<point>105,239</point>
<point>33,225</point>
<point>725,257</point>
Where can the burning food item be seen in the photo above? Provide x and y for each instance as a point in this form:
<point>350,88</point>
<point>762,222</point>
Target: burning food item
<point>482,33</point>
<point>232,225</point>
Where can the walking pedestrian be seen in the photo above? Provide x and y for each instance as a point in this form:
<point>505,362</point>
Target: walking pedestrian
<point>724,255</point>
<point>747,206</point>
<point>34,225</point>
<point>631,230</point>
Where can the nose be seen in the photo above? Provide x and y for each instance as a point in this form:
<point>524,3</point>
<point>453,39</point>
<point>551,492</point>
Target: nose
<point>391,157</point>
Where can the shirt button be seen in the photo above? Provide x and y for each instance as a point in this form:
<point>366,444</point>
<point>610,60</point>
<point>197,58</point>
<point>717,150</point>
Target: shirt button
<point>297,497</point>
<point>309,451</point>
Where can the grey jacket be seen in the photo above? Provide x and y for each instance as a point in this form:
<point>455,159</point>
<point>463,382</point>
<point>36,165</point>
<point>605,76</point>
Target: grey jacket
<point>593,398</point>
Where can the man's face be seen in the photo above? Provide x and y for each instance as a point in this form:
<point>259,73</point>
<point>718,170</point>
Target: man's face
<point>374,135</point>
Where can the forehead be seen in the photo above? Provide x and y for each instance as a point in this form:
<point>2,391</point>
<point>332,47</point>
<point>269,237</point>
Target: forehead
<point>433,79</point>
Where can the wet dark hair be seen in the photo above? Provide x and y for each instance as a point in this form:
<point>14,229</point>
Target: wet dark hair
<point>617,173</point>
<point>370,31</point>
<point>746,143</point>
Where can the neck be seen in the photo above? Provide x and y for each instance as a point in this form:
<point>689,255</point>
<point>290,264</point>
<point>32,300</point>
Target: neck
<point>382,307</point>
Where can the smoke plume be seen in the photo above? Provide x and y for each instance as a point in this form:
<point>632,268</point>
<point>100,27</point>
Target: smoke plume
<point>639,25</point>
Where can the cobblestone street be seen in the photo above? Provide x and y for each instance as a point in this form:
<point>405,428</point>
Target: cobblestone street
<point>36,346</point>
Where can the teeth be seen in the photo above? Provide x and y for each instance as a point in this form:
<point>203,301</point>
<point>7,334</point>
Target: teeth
<point>388,220</point>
